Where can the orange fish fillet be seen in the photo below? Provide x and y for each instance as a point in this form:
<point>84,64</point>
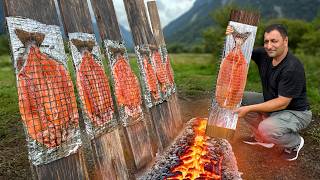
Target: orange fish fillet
<point>127,87</point>
<point>161,71</point>
<point>94,90</point>
<point>46,99</point>
<point>151,78</point>
<point>231,79</point>
<point>169,71</point>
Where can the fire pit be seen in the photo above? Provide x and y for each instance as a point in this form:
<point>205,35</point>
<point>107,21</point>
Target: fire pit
<point>195,156</point>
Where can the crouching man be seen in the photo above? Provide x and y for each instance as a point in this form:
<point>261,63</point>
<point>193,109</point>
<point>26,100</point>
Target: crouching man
<point>276,115</point>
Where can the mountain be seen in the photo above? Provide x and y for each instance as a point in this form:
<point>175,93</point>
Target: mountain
<point>127,37</point>
<point>187,28</point>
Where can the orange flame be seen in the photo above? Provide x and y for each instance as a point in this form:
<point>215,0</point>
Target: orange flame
<point>196,161</point>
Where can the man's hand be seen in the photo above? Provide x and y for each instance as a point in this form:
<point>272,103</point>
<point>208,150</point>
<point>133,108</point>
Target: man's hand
<point>243,111</point>
<point>229,30</point>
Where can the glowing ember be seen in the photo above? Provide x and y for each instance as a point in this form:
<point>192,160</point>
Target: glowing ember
<point>196,162</point>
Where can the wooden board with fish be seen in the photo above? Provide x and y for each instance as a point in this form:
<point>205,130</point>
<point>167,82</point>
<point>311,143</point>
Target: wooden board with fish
<point>47,100</point>
<point>231,79</point>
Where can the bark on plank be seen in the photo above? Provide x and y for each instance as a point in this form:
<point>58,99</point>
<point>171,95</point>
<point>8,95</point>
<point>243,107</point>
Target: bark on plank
<point>76,16</point>
<point>135,22</point>
<point>150,37</point>
<point>106,19</point>
<point>43,11</point>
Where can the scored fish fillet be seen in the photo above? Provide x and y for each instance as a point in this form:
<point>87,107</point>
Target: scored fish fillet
<point>94,90</point>
<point>127,87</point>
<point>231,79</point>
<point>161,71</point>
<point>169,71</point>
<point>151,79</point>
<point>47,101</point>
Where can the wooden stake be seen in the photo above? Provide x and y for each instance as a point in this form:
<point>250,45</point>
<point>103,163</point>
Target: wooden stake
<point>139,133</point>
<point>72,166</point>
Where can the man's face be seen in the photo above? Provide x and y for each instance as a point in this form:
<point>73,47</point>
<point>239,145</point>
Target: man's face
<point>275,44</point>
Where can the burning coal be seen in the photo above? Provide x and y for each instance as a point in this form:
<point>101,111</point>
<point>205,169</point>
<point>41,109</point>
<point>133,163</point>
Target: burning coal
<point>195,156</point>
<point>196,161</point>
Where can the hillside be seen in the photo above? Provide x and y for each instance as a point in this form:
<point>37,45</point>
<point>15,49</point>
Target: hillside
<point>187,28</point>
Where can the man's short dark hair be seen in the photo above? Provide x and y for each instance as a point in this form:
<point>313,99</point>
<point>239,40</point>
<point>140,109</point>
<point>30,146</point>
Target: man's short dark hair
<point>278,27</point>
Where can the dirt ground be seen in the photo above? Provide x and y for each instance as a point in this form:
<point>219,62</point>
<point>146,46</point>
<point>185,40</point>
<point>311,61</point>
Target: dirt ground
<point>256,162</point>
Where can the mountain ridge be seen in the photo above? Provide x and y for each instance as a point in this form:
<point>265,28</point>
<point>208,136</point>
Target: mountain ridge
<point>187,28</point>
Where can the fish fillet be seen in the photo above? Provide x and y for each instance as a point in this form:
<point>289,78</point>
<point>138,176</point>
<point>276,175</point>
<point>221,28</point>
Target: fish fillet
<point>127,87</point>
<point>231,79</point>
<point>94,90</point>
<point>47,101</point>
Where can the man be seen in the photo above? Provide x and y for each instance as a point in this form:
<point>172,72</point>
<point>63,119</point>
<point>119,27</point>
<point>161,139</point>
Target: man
<point>277,115</point>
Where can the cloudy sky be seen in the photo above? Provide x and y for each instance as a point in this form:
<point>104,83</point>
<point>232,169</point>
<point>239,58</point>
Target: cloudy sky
<point>168,10</point>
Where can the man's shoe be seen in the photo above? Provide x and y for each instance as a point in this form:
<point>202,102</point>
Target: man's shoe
<point>291,154</point>
<point>253,141</point>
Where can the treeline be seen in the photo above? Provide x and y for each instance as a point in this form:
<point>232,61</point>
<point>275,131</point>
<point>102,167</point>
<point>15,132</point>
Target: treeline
<point>304,37</point>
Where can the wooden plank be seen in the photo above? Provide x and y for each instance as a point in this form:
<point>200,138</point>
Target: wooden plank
<point>43,25</point>
<point>115,49</point>
<point>43,11</point>
<point>110,159</point>
<point>148,32</point>
<point>76,16</point>
<point>158,33</point>
<point>136,22</point>
<point>155,22</point>
<point>106,19</point>
<point>169,125</point>
<point>70,167</point>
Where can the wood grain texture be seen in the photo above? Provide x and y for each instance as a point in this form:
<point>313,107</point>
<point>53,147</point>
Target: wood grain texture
<point>71,167</point>
<point>155,22</point>
<point>146,25</point>
<point>140,144</point>
<point>135,21</point>
<point>106,19</point>
<point>43,11</point>
<point>110,159</point>
<point>173,106</point>
<point>76,16</point>
<point>245,17</point>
